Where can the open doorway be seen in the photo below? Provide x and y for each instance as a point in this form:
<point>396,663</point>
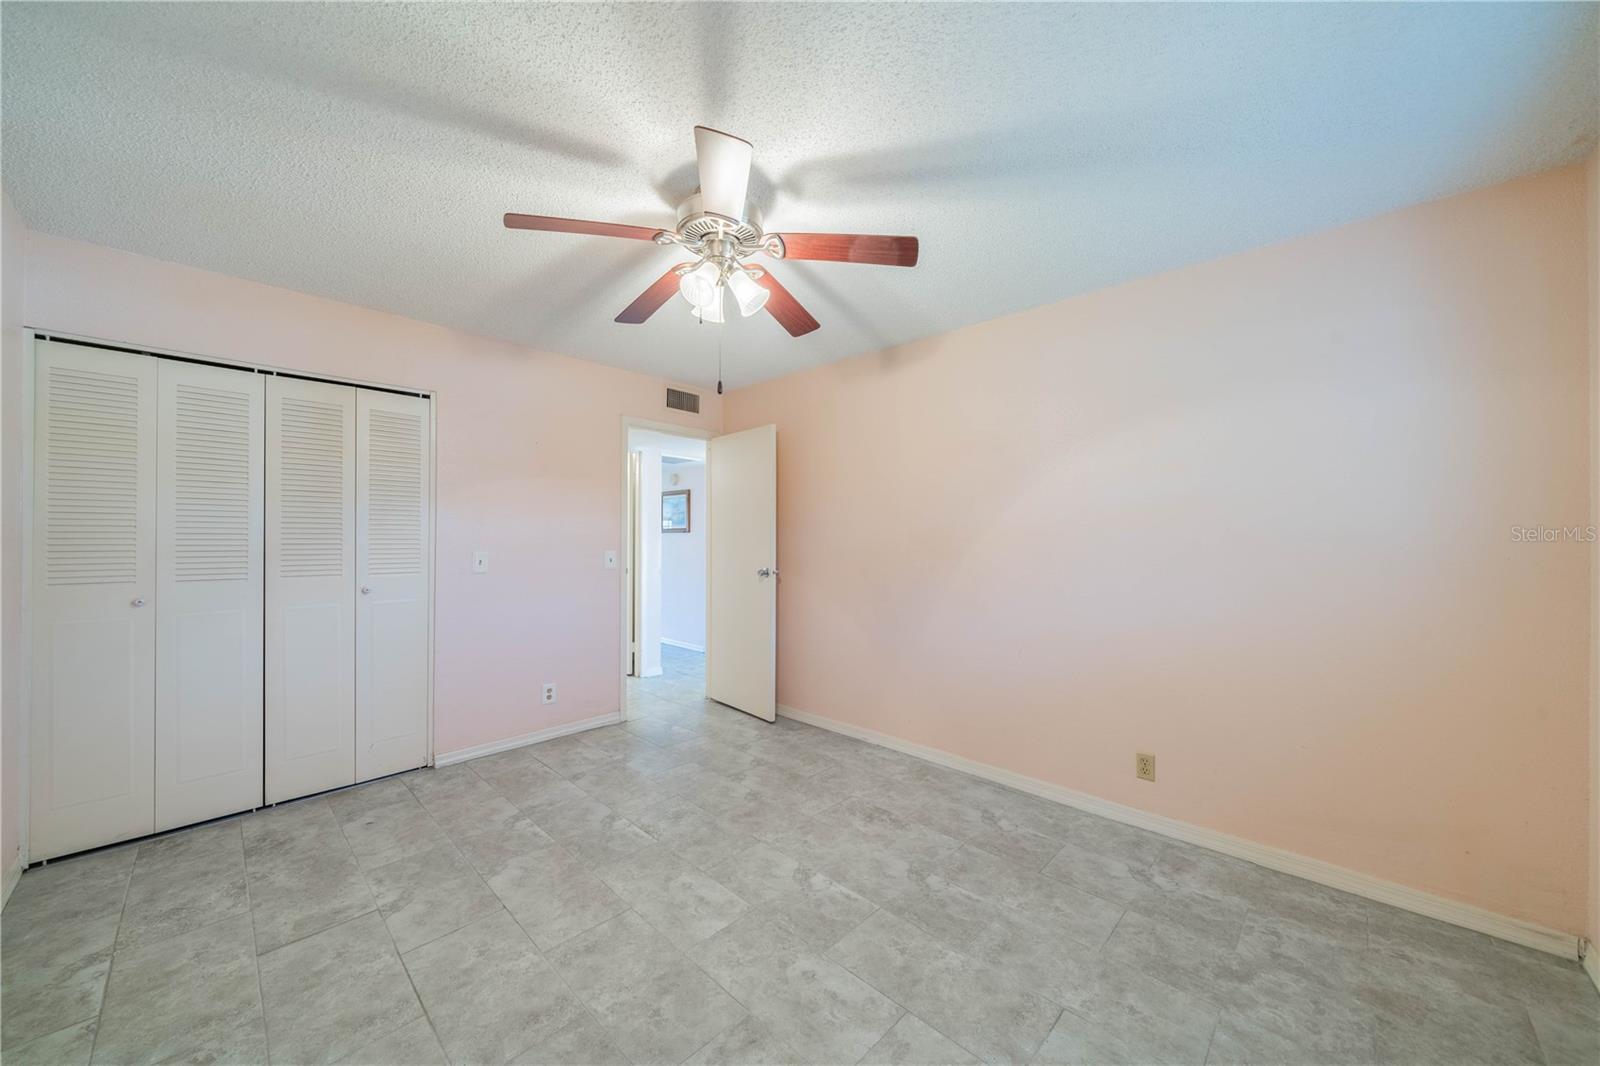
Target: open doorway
<point>665,552</point>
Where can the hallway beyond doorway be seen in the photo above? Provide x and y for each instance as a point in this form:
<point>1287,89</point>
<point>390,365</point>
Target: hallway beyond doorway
<point>682,680</point>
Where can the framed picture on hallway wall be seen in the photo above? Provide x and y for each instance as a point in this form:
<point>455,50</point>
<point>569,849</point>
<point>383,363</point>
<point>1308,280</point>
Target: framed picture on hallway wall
<point>675,511</point>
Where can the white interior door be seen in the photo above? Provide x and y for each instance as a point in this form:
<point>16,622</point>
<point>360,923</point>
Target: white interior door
<point>92,718</point>
<point>311,587</point>
<point>742,571</point>
<point>393,550</point>
<point>210,467</point>
<point>631,567</point>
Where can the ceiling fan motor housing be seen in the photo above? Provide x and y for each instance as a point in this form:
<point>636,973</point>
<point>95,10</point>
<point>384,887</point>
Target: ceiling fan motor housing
<point>720,236</point>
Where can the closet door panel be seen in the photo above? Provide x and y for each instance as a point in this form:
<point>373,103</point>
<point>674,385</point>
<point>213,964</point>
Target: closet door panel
<point>393,549</point>
<point>311,587</point>
<point>92,716</point>
<point>210,587</point>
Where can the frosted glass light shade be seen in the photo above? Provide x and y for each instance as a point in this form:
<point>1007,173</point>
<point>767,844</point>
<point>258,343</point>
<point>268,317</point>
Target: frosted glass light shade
<point>711,312</point>
<point>699,286</point>
<point>750,294</point>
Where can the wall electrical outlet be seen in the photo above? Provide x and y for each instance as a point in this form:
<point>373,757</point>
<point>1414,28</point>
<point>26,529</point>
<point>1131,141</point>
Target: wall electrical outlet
<point>480,562</point>
<point>549,692</point>
<point>1144,765</point>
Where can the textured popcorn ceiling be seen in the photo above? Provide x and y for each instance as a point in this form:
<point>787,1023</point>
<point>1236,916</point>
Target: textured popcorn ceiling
<point>366,153</point>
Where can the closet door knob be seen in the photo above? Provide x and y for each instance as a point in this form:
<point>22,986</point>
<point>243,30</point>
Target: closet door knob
<point>365,589</point>
<point>138,603</point>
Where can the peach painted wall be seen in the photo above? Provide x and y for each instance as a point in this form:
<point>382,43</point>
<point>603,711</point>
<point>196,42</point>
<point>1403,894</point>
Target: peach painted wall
<point>1592,174</point>
<point>1254,516</point>
<point>529,465</point>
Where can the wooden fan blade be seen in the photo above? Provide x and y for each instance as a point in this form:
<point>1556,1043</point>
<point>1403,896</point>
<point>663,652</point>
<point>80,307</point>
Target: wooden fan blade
<point>785,308</point>
<point>851,248</point>
<point>552,224</point>
<point>650,301</point>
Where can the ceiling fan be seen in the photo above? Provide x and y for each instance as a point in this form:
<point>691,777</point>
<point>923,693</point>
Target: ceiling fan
<point>722,231</point>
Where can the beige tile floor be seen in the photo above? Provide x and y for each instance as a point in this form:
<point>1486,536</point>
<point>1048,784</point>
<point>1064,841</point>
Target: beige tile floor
<point>696,885</point>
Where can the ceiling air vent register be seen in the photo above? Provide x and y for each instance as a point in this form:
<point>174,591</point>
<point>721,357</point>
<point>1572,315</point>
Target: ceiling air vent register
<point>678,400</point>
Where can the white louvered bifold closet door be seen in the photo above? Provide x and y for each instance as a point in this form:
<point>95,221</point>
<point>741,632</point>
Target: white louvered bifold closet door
<point>311,587</point>
<point>209,588</point>
<point>393,552</point>
<point>94,579</point>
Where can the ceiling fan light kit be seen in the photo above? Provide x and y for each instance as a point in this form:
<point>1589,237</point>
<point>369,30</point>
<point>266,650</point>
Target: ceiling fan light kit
<point>711,310</point>
<point>750,296</point>
<point>718,227</point>
<point>699,285</point>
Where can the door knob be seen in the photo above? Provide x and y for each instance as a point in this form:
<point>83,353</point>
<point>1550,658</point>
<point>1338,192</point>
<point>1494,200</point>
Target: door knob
<point>767,571</point>
<point>365,590</point>
<point>138,603</point>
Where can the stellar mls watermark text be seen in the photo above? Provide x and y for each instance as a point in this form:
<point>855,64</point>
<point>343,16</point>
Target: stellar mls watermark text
<point>1554,534</point>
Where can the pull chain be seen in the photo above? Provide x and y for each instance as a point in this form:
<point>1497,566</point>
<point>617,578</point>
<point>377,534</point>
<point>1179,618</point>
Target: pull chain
<point>701,319</point>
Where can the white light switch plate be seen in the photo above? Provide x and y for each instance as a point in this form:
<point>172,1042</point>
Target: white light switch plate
<point>480,562</point>
<point>611,560</point>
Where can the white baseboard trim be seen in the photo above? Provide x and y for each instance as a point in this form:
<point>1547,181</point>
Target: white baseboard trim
<point>12,876</point>
<point>463,754</point>
<point>1591,964</point>
<point>1415,900</point>
<point>685,645</point>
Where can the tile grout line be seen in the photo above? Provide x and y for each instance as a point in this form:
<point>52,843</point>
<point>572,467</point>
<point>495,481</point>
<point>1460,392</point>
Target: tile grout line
<point>589,929</point>
<point>1538,1043</point>
<point>1212,1038</point>
<point>583,1004</point>
<point>1249,909</point>
<point>308,936</point>
<point>1033,1056</point>
<point>941,942</point>
<point>395,947</point>
<point>111,964</point>
<point>255,945</point>
<point>945,945</point>
<point>825,953</point>
<point>715,1037</point>
<point>748,1013</point>
<point>1154,978</point>
<point>906,1011</point>
<point>122,912</point>
<point>1117,925</point>
<point>351,855</point>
